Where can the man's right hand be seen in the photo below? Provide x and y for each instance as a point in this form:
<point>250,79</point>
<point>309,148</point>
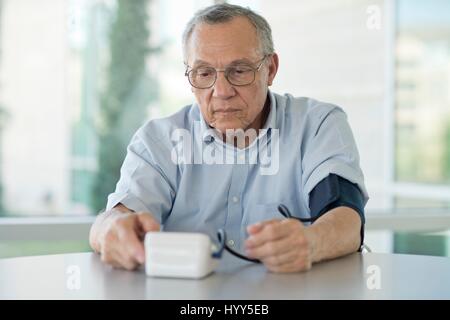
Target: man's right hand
<point>118,236</point>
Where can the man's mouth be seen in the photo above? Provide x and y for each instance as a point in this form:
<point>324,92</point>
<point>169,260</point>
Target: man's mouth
<point>225,111</point>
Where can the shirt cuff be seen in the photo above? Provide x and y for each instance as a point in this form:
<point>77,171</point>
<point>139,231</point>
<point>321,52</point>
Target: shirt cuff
<point>128,200</point>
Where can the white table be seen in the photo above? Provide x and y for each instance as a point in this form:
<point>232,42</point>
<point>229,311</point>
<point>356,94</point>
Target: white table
<point>401,277</point>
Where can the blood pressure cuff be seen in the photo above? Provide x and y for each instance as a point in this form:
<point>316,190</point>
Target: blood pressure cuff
<point>335,191</point>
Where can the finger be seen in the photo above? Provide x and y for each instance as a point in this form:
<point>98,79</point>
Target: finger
<point>270,232</point>
<point>286,268</point>
<point>111,262</point>
<point>291,267</point>
<point>107,251</point>
<point>126,261</point>
<point>280,259</point>
<point>270,248</point>
<point>108,258</point>
<point>130,244</point>
<point>257,227</point>
<point>126,255</point>
<point>148,222</point>
<point>301,261</point>
<point>112,256</point>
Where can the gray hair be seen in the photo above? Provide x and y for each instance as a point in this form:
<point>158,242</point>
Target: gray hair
<point>225,12</point>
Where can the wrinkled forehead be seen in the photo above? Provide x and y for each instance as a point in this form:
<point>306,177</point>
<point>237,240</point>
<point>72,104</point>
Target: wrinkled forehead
<point>222,43</point>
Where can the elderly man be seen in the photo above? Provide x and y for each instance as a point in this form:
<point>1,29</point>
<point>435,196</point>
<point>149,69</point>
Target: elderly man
<point>302,156</point>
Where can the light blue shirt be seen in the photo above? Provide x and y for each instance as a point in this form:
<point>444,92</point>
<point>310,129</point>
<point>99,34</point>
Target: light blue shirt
<point>190,180</point>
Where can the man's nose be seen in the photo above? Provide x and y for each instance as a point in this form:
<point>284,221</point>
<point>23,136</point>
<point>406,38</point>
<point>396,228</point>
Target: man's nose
<point>222,88</point>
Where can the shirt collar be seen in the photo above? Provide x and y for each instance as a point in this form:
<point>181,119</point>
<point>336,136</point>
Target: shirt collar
<point>209,134</point>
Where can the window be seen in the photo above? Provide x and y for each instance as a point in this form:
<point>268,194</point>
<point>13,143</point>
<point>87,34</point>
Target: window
<point>78,77</point>
<point>423,92</point>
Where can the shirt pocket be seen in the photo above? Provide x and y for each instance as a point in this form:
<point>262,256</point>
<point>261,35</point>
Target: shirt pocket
<point>262,212</point>
<point>259,212</point>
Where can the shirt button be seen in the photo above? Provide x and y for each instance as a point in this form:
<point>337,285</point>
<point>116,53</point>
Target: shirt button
<point>231,243</point>
<point>235,199</point>
<point>242,157</point>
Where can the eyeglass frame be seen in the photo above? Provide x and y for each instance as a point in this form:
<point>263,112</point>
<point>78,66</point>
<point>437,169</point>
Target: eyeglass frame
<point>254,69</point>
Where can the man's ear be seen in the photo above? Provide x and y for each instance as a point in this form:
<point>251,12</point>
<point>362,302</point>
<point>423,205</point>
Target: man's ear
<point>273,68</point>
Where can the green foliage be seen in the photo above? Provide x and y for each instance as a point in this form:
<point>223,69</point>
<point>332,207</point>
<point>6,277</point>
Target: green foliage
<point>18,248</point>
<point>128,92</point>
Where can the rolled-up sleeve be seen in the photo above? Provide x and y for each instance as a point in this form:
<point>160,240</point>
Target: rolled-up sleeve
<point>144,185</point>
<point>330,148</point>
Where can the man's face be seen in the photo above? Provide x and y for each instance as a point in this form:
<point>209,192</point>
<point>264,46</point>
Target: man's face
<point>225,106</point>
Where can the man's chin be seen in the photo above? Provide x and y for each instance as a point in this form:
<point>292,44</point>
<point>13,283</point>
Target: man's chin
<point>223,126</point>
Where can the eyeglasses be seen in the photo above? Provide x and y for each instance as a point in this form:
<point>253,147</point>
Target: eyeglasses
<point>241,74</point>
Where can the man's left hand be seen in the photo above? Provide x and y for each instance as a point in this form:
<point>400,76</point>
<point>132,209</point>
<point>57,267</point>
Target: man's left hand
<point>282,245</point>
